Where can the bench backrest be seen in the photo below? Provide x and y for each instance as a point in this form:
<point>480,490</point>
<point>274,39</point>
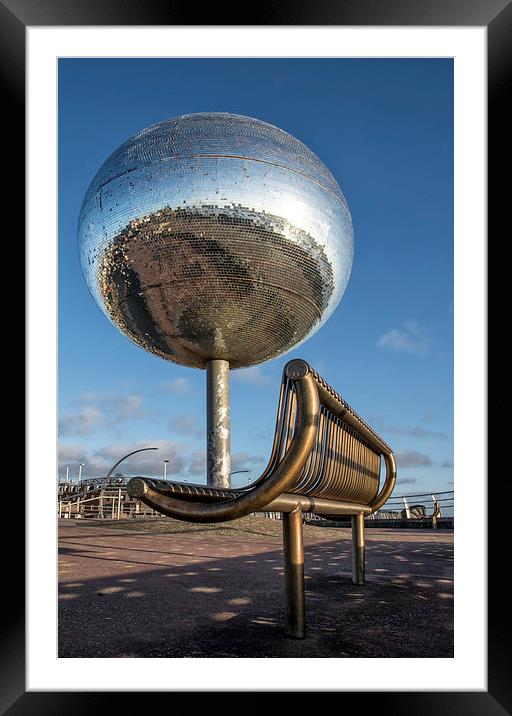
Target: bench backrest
<point>345,463</point>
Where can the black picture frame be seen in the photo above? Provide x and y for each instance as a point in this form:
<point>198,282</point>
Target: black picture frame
<point>496,15</point>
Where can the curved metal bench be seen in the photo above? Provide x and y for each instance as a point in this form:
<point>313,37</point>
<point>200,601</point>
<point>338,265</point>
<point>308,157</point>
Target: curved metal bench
<point>325,459</point>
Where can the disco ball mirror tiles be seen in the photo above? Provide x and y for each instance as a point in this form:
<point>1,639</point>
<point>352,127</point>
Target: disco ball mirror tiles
<point>215,236</point>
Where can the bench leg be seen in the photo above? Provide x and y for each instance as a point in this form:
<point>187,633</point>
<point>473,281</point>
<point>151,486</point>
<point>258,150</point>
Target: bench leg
<point>295,610</point>
<point>358,549</point>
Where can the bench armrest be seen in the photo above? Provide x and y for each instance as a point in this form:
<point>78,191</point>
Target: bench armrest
<point>265,490</point>
<point>389,482</point>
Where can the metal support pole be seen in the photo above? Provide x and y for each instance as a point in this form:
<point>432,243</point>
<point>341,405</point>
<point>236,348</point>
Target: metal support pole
<point>358,549</point>
<point>119,504</point>
<point>218,430</point>
<point>295,609</point>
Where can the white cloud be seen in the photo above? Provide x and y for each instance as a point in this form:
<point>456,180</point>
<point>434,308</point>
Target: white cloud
<point>81,422</point>
<point>186,460</point>
<point>406,481</point>
<point>416,432</point>
<point>196,465</point>
<point>187,424</point>
<point>69,453</point>
<point>253,375</point>
<point>99,410</point>
<point>245,461</point>
<point>412,458</point>
<point>178,386</point>
<point>126,408</point>
<point>150,463</point>
<point>411,337</point>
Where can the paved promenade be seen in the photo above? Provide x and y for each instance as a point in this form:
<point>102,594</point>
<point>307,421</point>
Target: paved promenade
<point>125,593</point>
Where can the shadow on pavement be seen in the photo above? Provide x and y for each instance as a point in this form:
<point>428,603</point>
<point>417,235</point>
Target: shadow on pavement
<point>123,597</point>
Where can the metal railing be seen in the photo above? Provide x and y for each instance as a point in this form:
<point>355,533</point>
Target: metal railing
<point>106,504</point>
<point>412,505</point>
<point>419,505</point>
<point>111,501</point>
<point>306,516</point>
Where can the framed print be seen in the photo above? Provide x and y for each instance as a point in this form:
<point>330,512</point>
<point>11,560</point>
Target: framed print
<point>140,124</point>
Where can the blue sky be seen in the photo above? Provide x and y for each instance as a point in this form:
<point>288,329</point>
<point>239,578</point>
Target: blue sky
<point>385,130</point>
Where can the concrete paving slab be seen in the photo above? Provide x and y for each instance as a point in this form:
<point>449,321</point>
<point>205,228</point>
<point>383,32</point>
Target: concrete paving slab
<point>129,593</point>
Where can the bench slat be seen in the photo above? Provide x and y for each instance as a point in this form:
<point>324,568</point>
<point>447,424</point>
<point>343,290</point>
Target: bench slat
<point>343,464</point>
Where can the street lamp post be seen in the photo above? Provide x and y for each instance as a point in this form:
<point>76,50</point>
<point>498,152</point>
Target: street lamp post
<point>107,478</point>
<point>165,469</point>
<point>235,472</point>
